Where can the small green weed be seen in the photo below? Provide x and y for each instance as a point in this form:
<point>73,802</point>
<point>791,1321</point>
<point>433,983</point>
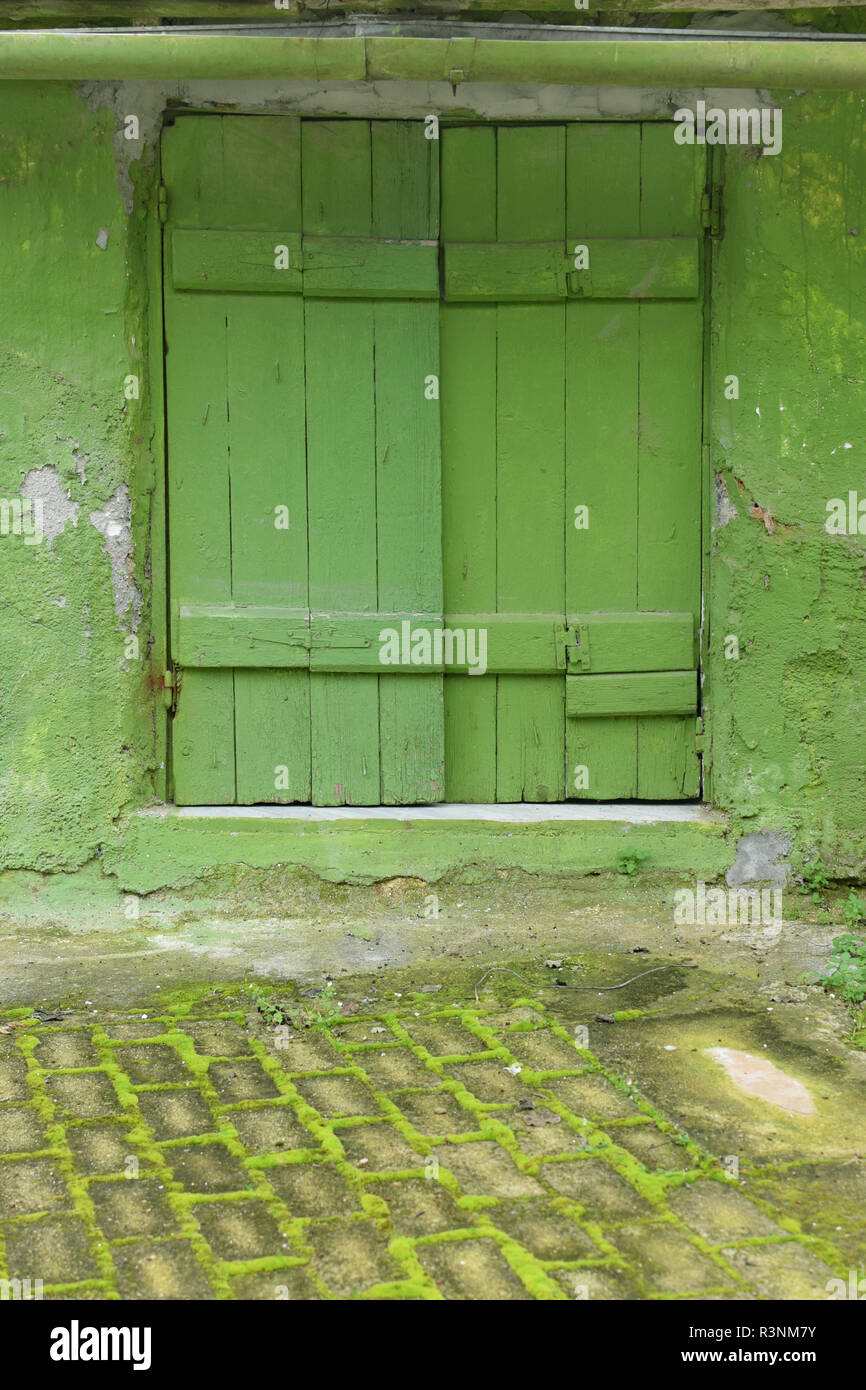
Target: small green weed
<point>629,861</point>
<point>816,880</point>
<point>326,1007</point>
<point>323,1009</point>
<point>846,972</point>
<point>272,1012</point>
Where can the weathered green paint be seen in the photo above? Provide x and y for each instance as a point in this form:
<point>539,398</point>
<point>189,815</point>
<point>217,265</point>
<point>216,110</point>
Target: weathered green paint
<point>243,262</point>
<point>360,544</point>
<point>641,422</point>
<point>632,642</point>
<point>81,727</point>
<point>637,694</point>
<point>789,314</point>
<point>616,269</point>
<point>152,849</point>
<point>372,524</point>
<point>817,65</point>
<point>82,724</point>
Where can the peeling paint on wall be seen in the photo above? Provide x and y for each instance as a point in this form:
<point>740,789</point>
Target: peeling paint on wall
<point>113,523</point>
<point>42,487</point>
<point>725,509</point>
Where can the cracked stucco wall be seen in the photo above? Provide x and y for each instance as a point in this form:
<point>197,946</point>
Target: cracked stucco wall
<point>80,720</point>
<point>789,320</point>
<point>76,734</point>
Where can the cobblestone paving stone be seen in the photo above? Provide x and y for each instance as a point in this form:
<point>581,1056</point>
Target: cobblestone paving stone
<point>420,1151</point>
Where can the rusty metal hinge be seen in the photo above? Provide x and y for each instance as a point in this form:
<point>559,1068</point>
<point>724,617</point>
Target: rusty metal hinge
<point>169,691</point>
<point>162,203</point>
<point>711,210</point>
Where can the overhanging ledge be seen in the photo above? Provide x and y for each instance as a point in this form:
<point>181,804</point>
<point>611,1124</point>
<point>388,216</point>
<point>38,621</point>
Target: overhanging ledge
<point>72,55</point>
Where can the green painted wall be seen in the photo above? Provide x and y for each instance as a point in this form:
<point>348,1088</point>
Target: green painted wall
<point>789,318</point>
<point>80,728</point>
<point>77,732</point>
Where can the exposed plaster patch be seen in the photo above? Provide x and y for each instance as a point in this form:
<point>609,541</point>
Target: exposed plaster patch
<point>56,508</point>
<point>80,461</point>
<point>725,509</point>
<point>758,858</point>
<point>113,524</point>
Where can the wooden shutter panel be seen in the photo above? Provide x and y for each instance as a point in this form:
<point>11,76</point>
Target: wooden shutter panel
<point>634,461</point>
<point>565,389</point>
<point>235,423</point>
<point>301,326</point>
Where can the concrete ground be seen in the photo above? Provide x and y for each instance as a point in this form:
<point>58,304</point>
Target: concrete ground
<point>189,1110</point>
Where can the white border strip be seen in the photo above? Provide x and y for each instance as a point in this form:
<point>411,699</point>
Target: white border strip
<point>522,813</point>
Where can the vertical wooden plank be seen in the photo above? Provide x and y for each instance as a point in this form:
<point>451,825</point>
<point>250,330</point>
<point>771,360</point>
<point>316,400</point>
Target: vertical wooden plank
<point>408,474</point>
<point>215,163</point>
<point>468,410</point>
<point>267,462</point>
<point>336,183</point>
<point>202,733</point>
<point>670,461</point>
<point>603,196</point>
<point>530,465</point>
<point>403,187</point>
<point>224,446</point>
<point>341,464</point>
<point>672,179</point>
<point>269,561</point>
<point>409,540</point>
<point>203,754</point>
<point>158,639</point>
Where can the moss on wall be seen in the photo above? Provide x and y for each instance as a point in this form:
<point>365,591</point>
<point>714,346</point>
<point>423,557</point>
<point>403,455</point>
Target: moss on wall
<point>76,736</point>
<point>789,320</point>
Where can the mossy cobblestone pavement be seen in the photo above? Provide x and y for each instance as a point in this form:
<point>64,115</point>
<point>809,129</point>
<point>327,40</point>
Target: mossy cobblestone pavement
<point>410,1140</point>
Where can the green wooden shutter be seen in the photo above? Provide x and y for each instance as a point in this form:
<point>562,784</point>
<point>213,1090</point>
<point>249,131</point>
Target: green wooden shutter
<point>373,461</point>
<point>236,424</point>
<point>305,316</point>
<point>301,325</point>
<point>634,459</point>
<point>566,388</point>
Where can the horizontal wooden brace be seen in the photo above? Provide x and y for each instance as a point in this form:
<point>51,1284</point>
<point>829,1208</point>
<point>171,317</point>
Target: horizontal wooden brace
<point>500,270</point>
<point>636,693</point>
<point>237,261</point>
<point>505,643</point>
<point>244,262</point>
<point>610,268</point>
<point>606,642</point>
<point>358,268</point>
<point>229,635</point>
<point>382,643</point>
